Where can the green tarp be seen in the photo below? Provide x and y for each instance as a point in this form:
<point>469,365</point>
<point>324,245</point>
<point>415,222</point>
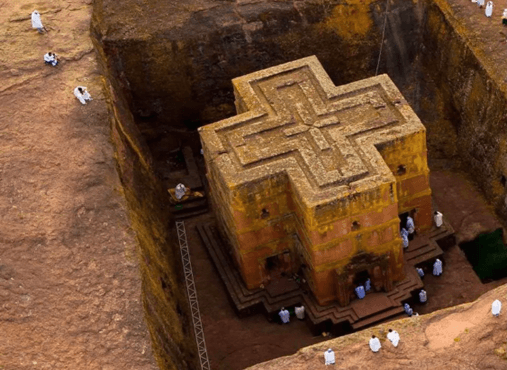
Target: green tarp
<point>488,255</point>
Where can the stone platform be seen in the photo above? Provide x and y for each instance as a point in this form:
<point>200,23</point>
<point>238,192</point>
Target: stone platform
<point>375,307</point>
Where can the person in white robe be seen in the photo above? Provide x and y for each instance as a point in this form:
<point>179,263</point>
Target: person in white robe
<point>394,337</point>
<point>438,217</point>
<point>496,307</point>
<point>375,344</point>
<point>404,237</point>
<point>410,225</point>
<point>504,17</point>
<point>367,285</point>
<point>81,94</point>
<point>36,22</point>
<point>284,315</point>
<point>360,292</point>
<point>437,268</point>
<point>480,3</point>
<point>180,191</point>
<point>420,272</point>
<point>408,310</point>
<point>489,9</point>
<point>423,296</point>
<point>300,312</point>
<point>329,357</point>
<point>50,58</point>
<point>474,1</point>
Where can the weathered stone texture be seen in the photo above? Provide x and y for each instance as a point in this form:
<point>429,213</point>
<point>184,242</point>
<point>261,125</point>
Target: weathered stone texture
<point>332,165</point>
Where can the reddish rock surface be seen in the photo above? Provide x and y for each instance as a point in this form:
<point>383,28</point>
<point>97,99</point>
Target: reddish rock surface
<point>462,337</point>
<point>69,283</point>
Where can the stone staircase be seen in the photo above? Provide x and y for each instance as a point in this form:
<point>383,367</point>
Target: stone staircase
<point>375,307</point>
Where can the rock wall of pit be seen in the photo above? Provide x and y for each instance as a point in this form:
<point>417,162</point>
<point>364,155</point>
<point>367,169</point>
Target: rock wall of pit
<point>164,298</point>
<point>464,99</point>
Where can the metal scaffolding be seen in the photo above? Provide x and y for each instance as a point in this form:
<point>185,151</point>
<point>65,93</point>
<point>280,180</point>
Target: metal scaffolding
<point>192,296</point>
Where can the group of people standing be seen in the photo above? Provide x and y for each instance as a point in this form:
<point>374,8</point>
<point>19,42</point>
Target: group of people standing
<point>374,343</point>
<point>51,59</point>
<point>489,9</point>
<point>285,314</point>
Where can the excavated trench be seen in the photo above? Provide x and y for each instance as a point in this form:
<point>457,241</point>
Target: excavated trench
<point>169,67</point>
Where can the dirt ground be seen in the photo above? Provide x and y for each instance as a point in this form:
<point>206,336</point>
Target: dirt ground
<point>235,343</point>
<point>69,283</point>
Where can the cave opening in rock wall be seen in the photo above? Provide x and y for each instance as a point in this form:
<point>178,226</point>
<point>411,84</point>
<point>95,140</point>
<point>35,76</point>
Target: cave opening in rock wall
<point>169,69</point>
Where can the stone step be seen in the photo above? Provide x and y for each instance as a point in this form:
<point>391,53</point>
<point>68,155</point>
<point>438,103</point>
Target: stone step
<point>377,317</point>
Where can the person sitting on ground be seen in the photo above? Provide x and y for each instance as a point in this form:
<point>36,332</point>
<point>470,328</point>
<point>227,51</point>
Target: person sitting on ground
<point>504,17</point>
<point>36,22</point>
<point>367,285</point>
<point>404,237</point>
<point>394,337</point>
<point>422,296</point>
<point>437,268</point>
<point>408,310</point>
<point>360,292</point>
<point>284,315</point>
<point>420,272</point>
<point>300,312</point>
<point>81,94</point>
<point>496,307</point>
<point>329,357</point>
<point>375,344</point>
<point>180,191</point>
<point>50,58</point>
<point>438,217</point>
<point>489,9</point>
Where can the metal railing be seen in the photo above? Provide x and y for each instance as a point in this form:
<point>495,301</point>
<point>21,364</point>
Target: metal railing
<point>192,296</point>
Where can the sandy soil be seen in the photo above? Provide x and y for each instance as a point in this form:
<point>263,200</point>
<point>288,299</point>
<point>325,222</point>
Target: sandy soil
<point>69,285</point>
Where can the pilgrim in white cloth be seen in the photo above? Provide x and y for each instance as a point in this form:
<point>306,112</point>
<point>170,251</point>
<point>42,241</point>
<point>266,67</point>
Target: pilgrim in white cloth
<point>480,3</point>
<point>437,268</point>
<point>36,22</point>
<point>410,225</point>
<point>420,272</point>
<point>50,58</point>
<point>300,312</point>
<point>408,310</point>
<point>329,357</point>
<point>489,9</point>
<point>496,307</point>
<point>438,219</point>
<point>367,285</point>
<point>404,237</point>
<point>374,344</point>
<point>81,94</point>
<point>422,296</point>
<point>394,337</point>
<point>284,315</point>
<point>360,292</point>
<point>179,191</point>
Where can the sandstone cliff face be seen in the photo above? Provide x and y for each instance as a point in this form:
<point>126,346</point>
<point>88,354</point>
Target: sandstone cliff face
<point>180,63</point>
<point>462,337</point>
<point>463,58</point>
<point>165,303</point>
